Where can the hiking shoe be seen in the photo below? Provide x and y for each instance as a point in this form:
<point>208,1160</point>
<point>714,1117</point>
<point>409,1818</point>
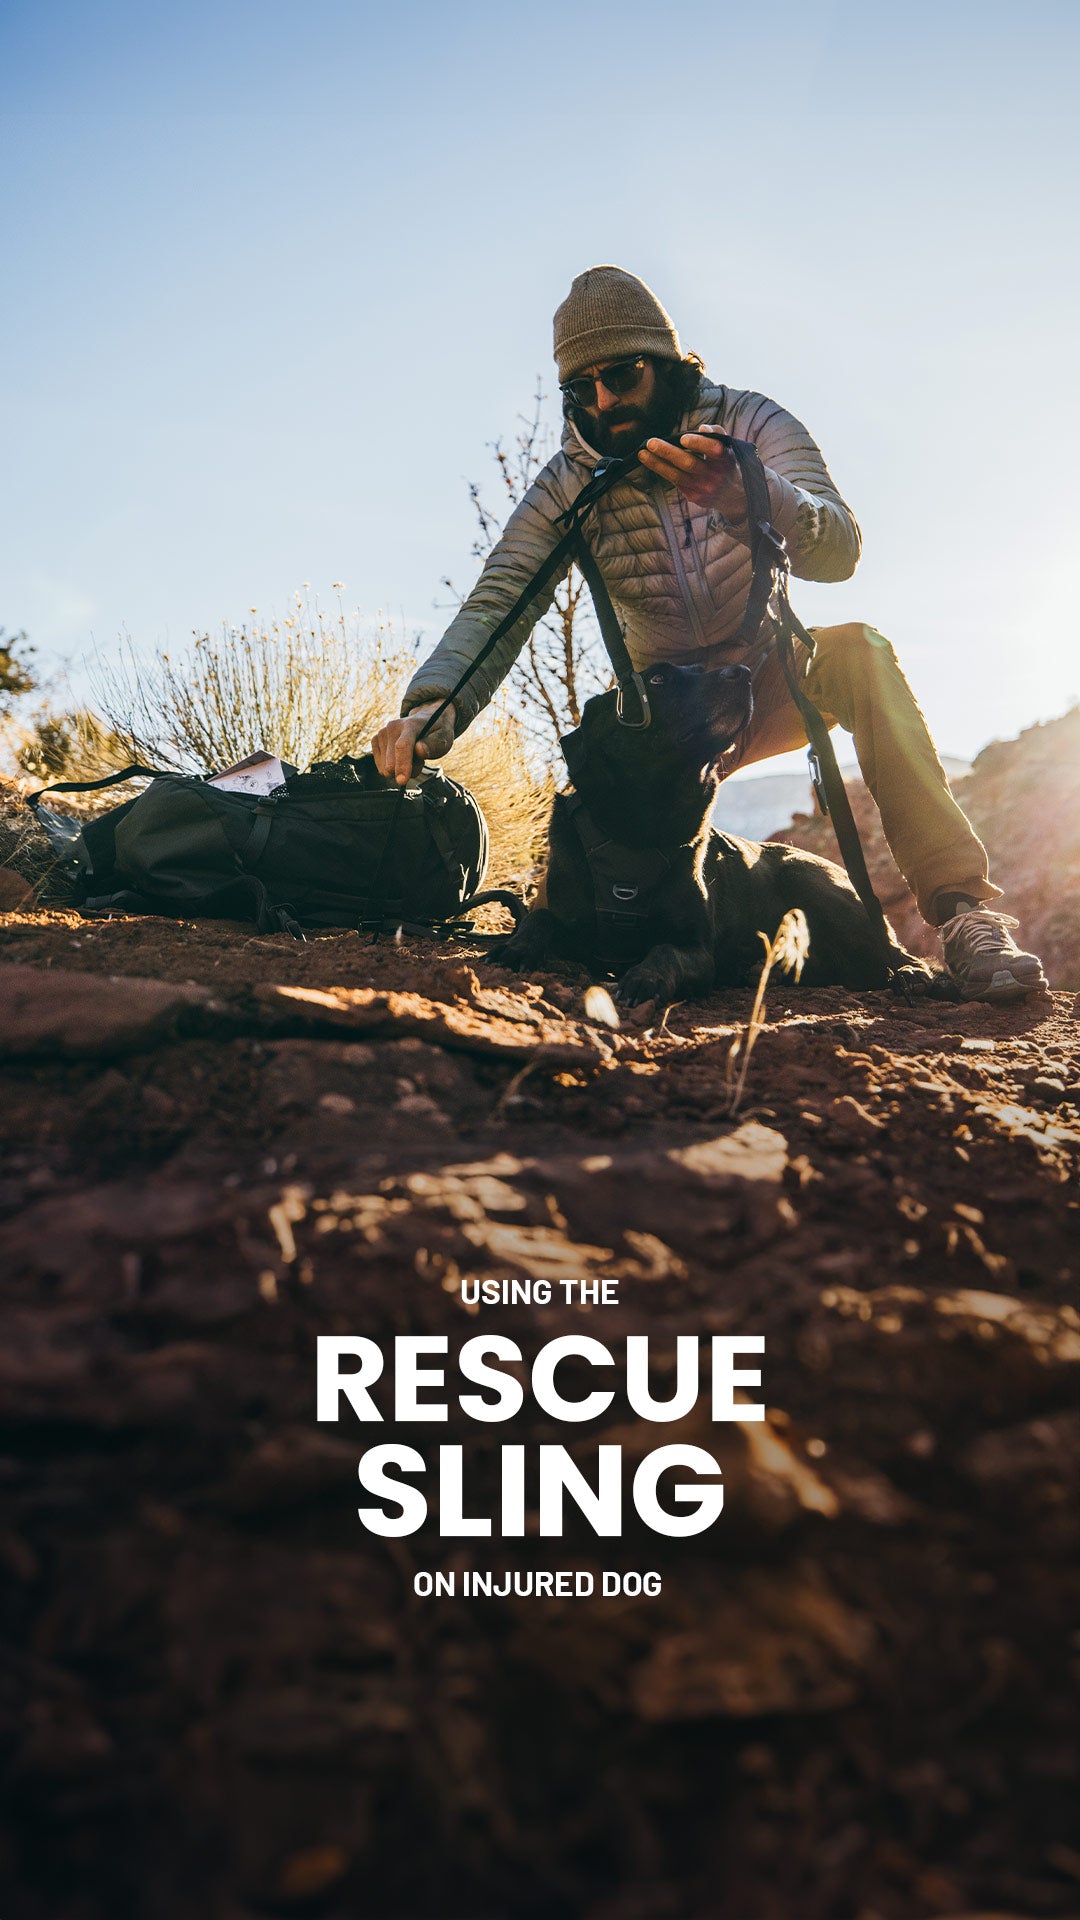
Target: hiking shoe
<point>984,960</point>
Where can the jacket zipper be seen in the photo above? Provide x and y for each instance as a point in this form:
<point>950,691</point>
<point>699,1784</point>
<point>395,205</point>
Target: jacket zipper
<point>672,538</point>
<point>699,565</point>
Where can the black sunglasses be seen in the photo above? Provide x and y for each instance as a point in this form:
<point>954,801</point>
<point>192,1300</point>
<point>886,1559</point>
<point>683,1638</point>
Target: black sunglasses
<point>620,378</point>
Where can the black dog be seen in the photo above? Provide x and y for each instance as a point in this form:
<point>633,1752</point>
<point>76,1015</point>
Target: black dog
<point>639,882</point>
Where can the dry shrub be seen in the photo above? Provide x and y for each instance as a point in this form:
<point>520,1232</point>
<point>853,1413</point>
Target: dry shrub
<point>72,746</point>
<point>24,847</point>
<point>312,687</point>
<point>491,760</point>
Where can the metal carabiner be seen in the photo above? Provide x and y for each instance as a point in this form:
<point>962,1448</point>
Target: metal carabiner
<point>646,720</point>
<point>817,780</point>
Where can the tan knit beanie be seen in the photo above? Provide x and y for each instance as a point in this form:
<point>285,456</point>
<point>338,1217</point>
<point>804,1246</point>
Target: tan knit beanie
<point>610,315</point>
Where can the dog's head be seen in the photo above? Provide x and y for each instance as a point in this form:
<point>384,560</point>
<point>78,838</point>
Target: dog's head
<point>654,785</point>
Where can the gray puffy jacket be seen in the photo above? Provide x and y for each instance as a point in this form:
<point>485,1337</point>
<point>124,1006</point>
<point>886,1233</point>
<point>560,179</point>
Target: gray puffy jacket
<point>677,573</point>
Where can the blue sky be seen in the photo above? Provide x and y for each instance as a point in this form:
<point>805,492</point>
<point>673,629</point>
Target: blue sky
<point>275,276</point>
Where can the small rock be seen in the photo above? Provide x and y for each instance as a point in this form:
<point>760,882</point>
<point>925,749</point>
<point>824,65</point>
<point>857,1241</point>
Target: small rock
<point>73,1014</point>
<point>1046,1086</point>
<point>422,1107</point>
<point>851,1118</point>
<point>337,1103</point>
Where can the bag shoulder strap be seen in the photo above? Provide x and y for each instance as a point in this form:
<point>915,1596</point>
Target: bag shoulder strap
<point>135,771</point>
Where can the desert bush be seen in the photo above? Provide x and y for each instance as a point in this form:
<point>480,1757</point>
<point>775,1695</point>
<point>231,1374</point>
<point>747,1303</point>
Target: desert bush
<point>17,673</point>
<point>493,761</point>
<point>71,746</point>
<point>310,687</point>
<point>25,851</point>
<point>313,686</point>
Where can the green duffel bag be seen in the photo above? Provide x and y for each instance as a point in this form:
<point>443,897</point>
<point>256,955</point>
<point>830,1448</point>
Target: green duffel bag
<point>339,846</point>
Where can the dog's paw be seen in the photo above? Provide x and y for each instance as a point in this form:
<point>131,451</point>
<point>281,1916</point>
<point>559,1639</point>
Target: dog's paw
<point>522,953</point>
<point>518,959</point>
<point>919,982</point>
<point>943,987</point>
<point>642,984</point>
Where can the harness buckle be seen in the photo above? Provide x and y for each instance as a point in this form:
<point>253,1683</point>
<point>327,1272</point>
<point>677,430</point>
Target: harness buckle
<point>638,683</point>
<point>776,543</point>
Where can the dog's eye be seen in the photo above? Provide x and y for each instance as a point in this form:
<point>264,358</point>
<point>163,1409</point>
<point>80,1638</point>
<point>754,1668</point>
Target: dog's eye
<point>656,679</point>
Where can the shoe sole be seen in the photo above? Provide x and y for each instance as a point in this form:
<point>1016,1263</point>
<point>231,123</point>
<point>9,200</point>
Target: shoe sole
<point>1005,987</point>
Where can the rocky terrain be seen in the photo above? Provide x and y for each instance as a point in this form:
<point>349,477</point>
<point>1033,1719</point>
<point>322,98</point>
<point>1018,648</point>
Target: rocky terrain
<point>222,1696</point>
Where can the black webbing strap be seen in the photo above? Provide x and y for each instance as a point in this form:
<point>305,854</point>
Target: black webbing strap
<point>837,802</point>
<point>612,635</point>
<point>769,560</point>
<point>570,546</point>
<point>254,846</point>
<point>109,780</point>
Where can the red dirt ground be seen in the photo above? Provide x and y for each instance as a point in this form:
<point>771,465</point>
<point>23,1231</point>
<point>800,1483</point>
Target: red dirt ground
<point>222,1697</point>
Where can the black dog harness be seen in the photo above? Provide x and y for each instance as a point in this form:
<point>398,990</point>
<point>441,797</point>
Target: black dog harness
<point>623,879</point>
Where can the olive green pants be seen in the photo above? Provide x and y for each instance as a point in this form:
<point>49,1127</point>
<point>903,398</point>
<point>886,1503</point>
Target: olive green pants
<point>856,681</point>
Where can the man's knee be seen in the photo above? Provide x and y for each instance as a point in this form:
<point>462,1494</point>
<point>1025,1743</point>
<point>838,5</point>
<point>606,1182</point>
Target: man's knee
<point>848,660</point>
<point>851,645</point>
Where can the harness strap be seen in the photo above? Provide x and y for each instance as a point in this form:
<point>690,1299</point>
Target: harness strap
<point>626,675</point>
<point>258,834</point>
<point>623,878</point>
<point>769,559</point>
<point>568,547</point>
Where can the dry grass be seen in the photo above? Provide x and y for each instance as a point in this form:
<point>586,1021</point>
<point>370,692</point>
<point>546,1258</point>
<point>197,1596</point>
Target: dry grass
<point>312,687</point>
<point>26,850</point>
<point>491,760</point>
<point>788,950</point>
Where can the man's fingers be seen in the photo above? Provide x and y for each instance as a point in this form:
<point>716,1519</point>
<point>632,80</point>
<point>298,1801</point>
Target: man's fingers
<point>667,468</point>
<point>404,750</point>
<point>397,746</point>
<point>382,746</point>
<point>704,446</point>
<point>663,451</point>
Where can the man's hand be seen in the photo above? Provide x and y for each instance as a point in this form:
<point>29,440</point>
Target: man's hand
<point>395,745</point>
<point>702,468</point>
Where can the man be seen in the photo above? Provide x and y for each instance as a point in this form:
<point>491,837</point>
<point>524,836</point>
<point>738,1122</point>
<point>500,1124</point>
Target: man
<point>671,542</point>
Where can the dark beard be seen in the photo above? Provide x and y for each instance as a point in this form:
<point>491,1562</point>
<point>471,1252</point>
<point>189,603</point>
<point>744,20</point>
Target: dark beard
<point>656,421</point>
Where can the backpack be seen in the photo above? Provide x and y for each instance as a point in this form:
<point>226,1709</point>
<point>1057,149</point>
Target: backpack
<point>338,846</point>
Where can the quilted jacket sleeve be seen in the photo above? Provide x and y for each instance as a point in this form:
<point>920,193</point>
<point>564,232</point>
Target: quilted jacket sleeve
<point>527,539</point>
<point>822,534</point>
